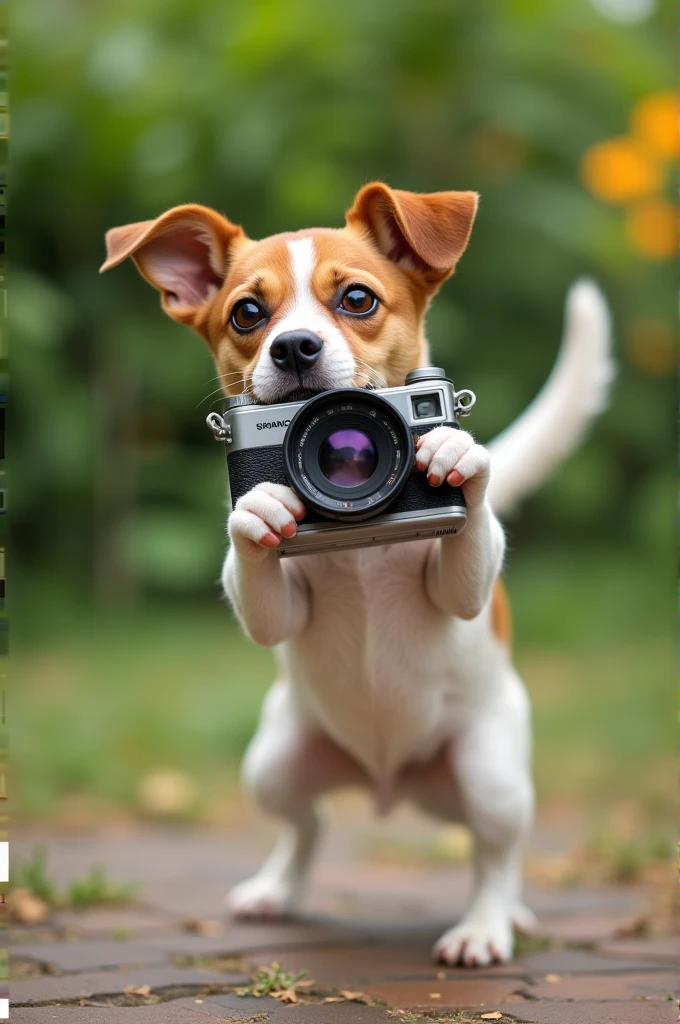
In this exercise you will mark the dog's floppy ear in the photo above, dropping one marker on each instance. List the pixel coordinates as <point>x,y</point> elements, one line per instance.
<point>425,233</point>
<point>183,253</point>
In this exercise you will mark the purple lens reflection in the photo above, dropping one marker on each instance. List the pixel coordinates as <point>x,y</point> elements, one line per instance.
<point>348,458</point>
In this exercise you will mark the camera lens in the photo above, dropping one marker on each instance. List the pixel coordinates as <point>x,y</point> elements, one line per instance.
<point>347,457</point>
<point>348,453</point>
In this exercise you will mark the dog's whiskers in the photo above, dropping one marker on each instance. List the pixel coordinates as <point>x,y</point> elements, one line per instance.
<point>369,372</point>
<point>224,376</point>
<point>244,382</point>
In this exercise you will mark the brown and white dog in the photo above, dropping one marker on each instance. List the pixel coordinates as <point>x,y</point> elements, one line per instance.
<point>395,666</point>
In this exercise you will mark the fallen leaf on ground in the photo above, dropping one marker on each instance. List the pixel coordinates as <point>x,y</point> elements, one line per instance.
<point>138,990</point>
<point>496,1015</point>
<point>636,928</point>
<point>200,926</point>
<point>435,995</point>
<point>288,995</point>
<point>353,997</point>
<point>26,908</point>
<point>552,979</point>
<point>167,793</point>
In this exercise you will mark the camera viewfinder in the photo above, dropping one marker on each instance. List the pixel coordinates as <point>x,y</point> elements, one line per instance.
<point>426,407</point>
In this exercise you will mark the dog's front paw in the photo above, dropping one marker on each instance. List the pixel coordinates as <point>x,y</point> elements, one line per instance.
<point>479,939</point>
<point>262,517</point>
<point>453,455</point>
<point>262,896</point>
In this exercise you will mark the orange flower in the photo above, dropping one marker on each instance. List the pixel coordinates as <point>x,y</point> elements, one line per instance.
<point>620,170</point>
<point>655,122</point>
<point>652,228</point>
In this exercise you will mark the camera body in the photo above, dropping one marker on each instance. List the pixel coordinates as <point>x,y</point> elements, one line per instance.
<point>349,455</point>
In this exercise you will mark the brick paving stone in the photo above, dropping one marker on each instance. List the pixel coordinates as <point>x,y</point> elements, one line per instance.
<point>583,927</point>
<point>105,920</point>
<point>470,992</point>
<point>573,961</point>
<point>163,1013</point>
<point>241,1010</point>
<point>397,933</point>
<point>190,896</point>
<point>542,1012</point>
<point>151,854</point>
<point>425,892</point>
<point>90,984</point>
<point>650,985</point>
<point>666,948</point>
<point>236,1008</point>
<point>384,919</point>
<point>92,954</point>
<point>549,900</point>
<point>243,937</point>
<point>360,965</point>
<point>227,944</point>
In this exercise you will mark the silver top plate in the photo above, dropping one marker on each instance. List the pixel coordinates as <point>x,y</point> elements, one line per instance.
<point>259,426</point>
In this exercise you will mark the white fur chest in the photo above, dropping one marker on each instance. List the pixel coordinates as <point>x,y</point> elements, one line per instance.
<point>381,670</point>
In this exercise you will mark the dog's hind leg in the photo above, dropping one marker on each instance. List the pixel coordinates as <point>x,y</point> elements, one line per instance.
<point>490,789</point>
<point>491,761</point>
<point>288,765</point>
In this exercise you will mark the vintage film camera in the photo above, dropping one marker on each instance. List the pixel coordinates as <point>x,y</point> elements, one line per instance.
<point>349,455</point>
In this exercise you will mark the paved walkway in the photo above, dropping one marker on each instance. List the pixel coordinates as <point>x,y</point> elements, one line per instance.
<point>365,941</point>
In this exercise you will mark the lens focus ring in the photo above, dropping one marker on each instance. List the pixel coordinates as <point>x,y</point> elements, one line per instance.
<point>348,454</point>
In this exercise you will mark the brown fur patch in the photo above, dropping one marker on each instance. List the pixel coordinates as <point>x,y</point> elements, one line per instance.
<point>390,343</point>
<point>501,617</point>
<point>400,245</point>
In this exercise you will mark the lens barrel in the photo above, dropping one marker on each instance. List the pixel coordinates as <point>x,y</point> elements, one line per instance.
<point>348,453</point>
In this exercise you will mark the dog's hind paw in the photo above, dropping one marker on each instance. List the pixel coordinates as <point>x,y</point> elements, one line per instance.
<point>262,896</point>
<point>477,941</point>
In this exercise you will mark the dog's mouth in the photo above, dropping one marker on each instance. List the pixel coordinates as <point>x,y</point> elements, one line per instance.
<point>302,394</point>
<point>299,394</point>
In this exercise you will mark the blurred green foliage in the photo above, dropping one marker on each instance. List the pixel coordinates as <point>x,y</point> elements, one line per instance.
<point>275,113</point>
<point>169,690</point>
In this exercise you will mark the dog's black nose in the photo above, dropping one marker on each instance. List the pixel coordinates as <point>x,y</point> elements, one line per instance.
<point>295,350</point>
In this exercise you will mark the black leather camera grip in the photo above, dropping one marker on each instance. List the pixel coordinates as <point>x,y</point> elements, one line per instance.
<point>249,467</point>
<point>448,495</point>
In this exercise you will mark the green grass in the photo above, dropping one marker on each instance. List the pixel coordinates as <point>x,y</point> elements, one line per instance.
<point>98,710</point>
<point>604,728</point>
<point>100,701</point>
<point>94,889</point>
<point>32,874</point>
<point>267,981</point>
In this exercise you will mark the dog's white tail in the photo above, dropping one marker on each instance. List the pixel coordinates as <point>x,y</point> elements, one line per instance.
<point>576,391</point>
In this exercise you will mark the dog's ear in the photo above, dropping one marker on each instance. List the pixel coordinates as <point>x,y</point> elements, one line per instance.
<point>184,253</point>
<point>425,233</point>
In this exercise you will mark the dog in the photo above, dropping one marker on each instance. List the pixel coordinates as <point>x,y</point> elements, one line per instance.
<point>395,664</point>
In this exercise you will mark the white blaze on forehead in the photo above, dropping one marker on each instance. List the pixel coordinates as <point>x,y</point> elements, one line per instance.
<point>302,261</point>
<point>303,312</point>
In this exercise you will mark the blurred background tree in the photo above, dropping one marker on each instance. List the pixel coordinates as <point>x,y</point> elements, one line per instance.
<point>276,113</point>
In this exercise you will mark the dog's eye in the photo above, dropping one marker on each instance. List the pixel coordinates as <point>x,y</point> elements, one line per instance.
<point>246,315</point>
<point>359,301</point>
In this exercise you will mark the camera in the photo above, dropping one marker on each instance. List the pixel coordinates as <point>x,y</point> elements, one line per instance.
<point>349,455</point>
